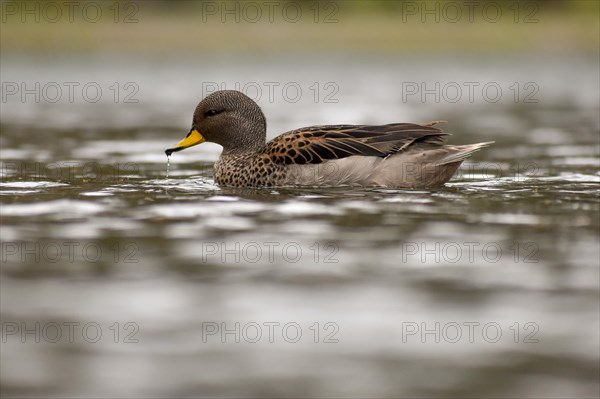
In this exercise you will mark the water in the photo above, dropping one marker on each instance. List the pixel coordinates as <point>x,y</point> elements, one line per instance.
<point>151,283</point>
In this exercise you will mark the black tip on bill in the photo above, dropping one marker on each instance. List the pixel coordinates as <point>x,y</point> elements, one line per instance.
<point>169,151</point>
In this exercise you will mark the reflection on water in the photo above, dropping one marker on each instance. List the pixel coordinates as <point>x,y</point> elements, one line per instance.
<point>137,284</point>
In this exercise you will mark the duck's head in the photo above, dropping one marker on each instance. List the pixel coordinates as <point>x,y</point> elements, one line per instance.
<point>229,118</point>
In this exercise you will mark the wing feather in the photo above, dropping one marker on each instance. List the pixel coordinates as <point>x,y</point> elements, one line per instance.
<point>318,144</point>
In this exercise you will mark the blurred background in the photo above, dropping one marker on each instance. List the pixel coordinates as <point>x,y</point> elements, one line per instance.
<point>121,276</point>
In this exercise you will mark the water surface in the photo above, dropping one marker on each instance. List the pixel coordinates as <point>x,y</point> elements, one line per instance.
<point>488,286</point>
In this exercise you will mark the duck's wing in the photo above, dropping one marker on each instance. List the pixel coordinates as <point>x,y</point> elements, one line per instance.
<point>317,144</point>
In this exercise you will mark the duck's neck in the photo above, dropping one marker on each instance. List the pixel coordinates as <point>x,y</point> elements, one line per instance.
<point>247,145</point>
<point>241,152</point>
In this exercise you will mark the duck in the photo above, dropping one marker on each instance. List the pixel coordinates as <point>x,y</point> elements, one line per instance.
<point>394,155</point>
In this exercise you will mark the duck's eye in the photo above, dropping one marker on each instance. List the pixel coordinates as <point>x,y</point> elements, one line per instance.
<point>212,112</point>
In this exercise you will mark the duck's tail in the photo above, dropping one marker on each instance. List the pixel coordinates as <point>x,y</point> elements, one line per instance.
<point>458,153</point>
<point>423,167</point>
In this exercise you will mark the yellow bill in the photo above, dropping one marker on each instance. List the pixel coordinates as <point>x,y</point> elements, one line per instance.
<point>193,138</point>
